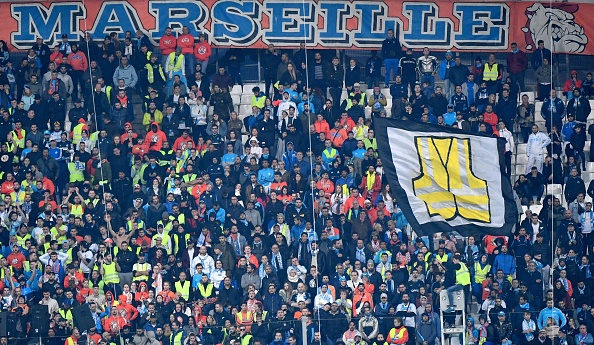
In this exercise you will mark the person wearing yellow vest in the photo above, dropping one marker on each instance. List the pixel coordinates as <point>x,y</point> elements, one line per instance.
<point>245,338</point>
<point>73,339</point>
<point>141,269</point>
<point>203,287</point>
<point>108,270</point>
<point>244,318</point>
<point>175,65</point>
<point>178,335</point>
<point>492,74</point>
<point>259,98</point>
<point>480,271</point>
<point>155,77</point>
<point>462,281</point>
<point>183,286</point>
<point>18,135</point>
<point>329,154</point>
<point>398,334</point>
<point>76,170</point>
<point>76,134</point>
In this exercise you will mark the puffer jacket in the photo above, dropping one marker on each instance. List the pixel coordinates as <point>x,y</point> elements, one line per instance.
<point>504,330</point>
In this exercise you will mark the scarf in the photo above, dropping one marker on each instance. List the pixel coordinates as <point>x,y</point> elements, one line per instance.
<point>565,283</point>
<point>361,255</point>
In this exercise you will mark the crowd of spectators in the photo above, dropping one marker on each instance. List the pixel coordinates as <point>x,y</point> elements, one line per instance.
<point>191,234</point>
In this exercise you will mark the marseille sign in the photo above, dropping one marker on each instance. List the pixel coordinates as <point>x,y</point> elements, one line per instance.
<point>356,24</point>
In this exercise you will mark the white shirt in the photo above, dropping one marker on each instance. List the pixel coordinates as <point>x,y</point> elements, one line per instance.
<point>408,321</point>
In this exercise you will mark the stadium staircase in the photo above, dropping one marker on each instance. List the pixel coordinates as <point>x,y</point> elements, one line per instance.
<point>520,159</point>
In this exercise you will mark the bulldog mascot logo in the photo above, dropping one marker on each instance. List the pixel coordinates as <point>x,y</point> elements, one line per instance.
<point>556,22</point>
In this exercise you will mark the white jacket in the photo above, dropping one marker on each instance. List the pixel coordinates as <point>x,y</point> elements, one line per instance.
<point>509,138</point>
<point>537,143</point>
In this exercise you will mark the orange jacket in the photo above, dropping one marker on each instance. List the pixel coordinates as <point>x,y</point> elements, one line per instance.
<point>56,58</point>
<point>181,143</point>
<point>337,137</point>
<point>322,127</point>
<point>186,42</point>
<point>327,186</point>
<point>78,61</point>
<point>278,185</point>
<point>155,139</point>
<point>140,150</point>
<point>348,122</point>
<point>7,187</point>
<point>348,204</point>
<point>492,119</point>
<point>360,299</point>
<point>112,324</point>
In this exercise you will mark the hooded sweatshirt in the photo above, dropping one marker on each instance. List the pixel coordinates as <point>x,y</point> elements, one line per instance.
<point>472,334</point>
<point>426,331</point>
<point>155,137</point>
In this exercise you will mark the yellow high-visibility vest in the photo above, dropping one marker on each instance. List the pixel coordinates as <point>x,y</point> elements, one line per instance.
<point>490,73</point>
<point>76,175</point>
<point>463,275</point>
<point>176,65</point>
<point>141,267</point>
<point>480,274</point>
<point>20,142</point>
<point>77,210</point>
<point>205,292</point>
<point>111,274</point>
<point>183,289</point>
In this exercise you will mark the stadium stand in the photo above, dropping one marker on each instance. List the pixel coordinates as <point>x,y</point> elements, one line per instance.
<point>183,206</point>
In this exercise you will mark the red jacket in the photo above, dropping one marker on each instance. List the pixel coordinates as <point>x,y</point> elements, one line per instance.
<point>517,62</point>
<point>186,42</point>
<point>167,45</point>
<point>202,51</point>
<point>375,188</point>
<point>571,84</point>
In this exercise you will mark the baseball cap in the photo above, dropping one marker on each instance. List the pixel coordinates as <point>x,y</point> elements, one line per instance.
<point>501,313</point>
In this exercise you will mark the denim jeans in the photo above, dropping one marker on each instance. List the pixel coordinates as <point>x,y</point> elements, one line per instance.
<point>451,291</point>
<point>391,64</point>
<point>190,60</point>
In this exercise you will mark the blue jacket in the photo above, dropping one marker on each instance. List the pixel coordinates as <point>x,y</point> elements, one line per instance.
<point>265,176</point>
<point>555,313</point>
<point>504,262</point>
<point>555,108</point>
<point>568,130</point>
<point>443,67</point>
